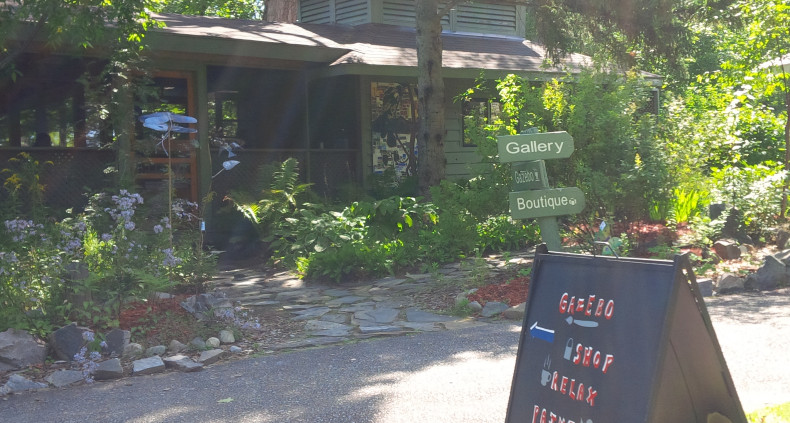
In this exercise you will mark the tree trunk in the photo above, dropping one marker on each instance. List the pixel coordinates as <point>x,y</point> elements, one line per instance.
<point>280,11</point>
<point>431,162</point>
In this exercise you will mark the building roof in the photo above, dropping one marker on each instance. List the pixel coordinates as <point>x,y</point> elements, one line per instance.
<point>375,49</point>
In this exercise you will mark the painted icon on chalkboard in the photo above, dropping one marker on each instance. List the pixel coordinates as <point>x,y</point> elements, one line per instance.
<point>568,349</point>
<point>545,375</point>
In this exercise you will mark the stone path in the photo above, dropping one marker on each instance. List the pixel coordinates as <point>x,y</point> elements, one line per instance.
<point>333,314</point>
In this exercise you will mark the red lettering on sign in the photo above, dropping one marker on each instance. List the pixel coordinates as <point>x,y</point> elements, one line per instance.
<point>590,302</point>
<point>609,310</point>
<point>599,309</point>
<point>577,358</point>
<point>552,418</point>
<point>564,303</point>
<point>587,355</point>
<point>597,359</point>
<point>580,305</point>
<point>591,394</point>
<point>572,393</point>
<point>535,413</point>
<point>564,385</point>
<point>580,392</point>
<point>554,380</point>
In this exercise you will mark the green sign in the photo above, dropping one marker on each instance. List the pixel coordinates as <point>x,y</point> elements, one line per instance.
<point>525,147</point>
<point>529,175</point>
<point>546,202</point>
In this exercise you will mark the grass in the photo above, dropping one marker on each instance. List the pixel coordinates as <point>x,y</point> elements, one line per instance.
<point>774,414</point>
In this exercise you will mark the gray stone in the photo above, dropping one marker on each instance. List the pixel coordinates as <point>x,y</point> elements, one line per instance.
<point>159,350</point>
<point>117,340</point>
<point>235,349</point>
<point>263,303</point>
<point>729,283</point>
<point>388,282</point>
<point>212,342</point>
<point>782,236</point>
<point>337,292</point>
<point>107,370</point>
<point>182,363</point>
<point>67,341</point>
<point>17,383</point>
<point>133,350</point>
<point>197,343</point>
<point>492,308</point>
<point>20,349</point>
<point>321,328</point>
<point>199,305</point>
<point>176,346</point>
<point>226,337</point>
<point>422,327</point>
<point>309,342</point>
<point>162,296</point>
<point>63,378</point>
<point>419,316</point>
<point>772,274</point>
<point>727,249</point>
<point>148,366</point>
<point>475,306</point>
<point>344,300</point>
<point>211,356</point>
<point>705,286</point>
<point>310,313</point>
<point>378,315</point>
<point>515,313</point>
<point>334,317</point>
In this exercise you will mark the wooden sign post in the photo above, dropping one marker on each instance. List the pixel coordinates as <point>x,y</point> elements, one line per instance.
<point>532,196</point>
<point>618,340</point>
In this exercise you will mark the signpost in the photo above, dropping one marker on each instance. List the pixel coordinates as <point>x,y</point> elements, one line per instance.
<point>618,340</point>
<point>532,196</point>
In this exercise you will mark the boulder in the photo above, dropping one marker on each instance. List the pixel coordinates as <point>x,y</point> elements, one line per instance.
<point>156,350</point>
<point>133,350</point>
<point>197,344</point>
<point>226,337</point>
<point>107,370</point>
<point>63,378</point>
<point>20,349</point>
<point>729,283</point>
<point>17,383</point>
<point>182,363</point>
<point>211,356</point>
<point>782,236</point>
<point>492,308</point>
<point>516,312</point>
<point>176,347</point>
<point>727,249</point>
<point>199,305</point>
<point>67,341</point>
<point>147,366</point>
<point>212,342</point>
<point>117,340</point>
<point>705,286</point>
<point>475,306</point>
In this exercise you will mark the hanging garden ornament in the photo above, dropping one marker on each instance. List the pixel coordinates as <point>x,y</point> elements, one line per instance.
<point>226,165</point>
<point>166,122</point>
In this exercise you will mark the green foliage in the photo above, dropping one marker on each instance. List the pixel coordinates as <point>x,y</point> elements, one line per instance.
<point>773,414</point>
<point>687,204</point>
<point>755,191</point>
<point>233,9</point>
<point>22,192</point>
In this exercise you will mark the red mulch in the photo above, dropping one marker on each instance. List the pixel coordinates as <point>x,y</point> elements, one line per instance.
<point>140,313</point>
<point>513,292</point>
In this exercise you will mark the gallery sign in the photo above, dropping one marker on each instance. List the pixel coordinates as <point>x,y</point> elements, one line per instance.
<point>540,146</point>
<point>618,340</point>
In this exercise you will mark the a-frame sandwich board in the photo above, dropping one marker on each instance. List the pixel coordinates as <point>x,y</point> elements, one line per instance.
<point>621,340</point>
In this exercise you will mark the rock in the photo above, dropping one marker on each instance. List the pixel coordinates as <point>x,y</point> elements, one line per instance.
<point>727,249</point>
<point>378,315</point>
<point>516,312</point>
<point>198,344</point>
<point>133,350</point>
<point>17,383</point>
<point>705,286</point>
<point>212,342</point>
<point>781,239</point>
<point>156,350</point>
<point>176,347</point>
<point>321,328</point>
<point>729,283</point>
<point>226,337</point>
<point>772,274</point>
<point>235,349</point>
<point>475,306</point>
<point>110,369</point>
<point>67,341</point>
<point>310,313</point>
<point>199,305</point>
<point>492,308</point>
<point>117,340</point>
<point>63,378</point>
<point>211,356</point>
<point>147,366</point>
<point>715,210</point>
<point>182,363</point>
<point>20,349</point>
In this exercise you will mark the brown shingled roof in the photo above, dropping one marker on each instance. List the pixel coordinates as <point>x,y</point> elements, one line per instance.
<point>372,48</point>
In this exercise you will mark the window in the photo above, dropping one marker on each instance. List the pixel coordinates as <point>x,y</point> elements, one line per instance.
<point>477,115</point>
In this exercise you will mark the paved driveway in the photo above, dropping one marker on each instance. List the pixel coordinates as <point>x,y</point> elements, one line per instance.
<point>454,376</point>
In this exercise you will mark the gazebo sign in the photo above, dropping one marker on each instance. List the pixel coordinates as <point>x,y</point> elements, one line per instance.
<point>529,175</point>
<point>626,340</point>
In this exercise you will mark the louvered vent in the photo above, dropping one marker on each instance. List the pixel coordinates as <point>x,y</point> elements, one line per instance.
<point>352,12</point>
<point>486,19</point>
<point>315,11</point>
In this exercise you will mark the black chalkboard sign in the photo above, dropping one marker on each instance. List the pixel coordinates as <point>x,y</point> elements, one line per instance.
<point>617,340</point>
